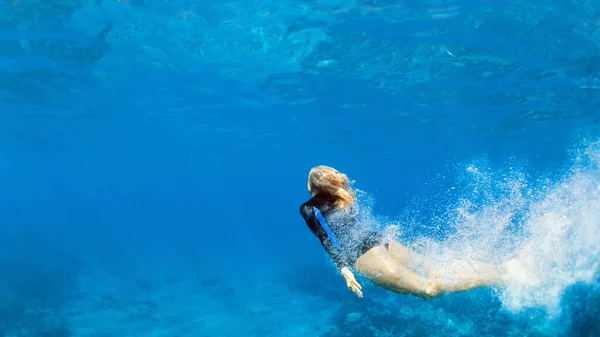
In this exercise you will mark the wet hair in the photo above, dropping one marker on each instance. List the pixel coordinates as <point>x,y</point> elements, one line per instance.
<point>327,180</point>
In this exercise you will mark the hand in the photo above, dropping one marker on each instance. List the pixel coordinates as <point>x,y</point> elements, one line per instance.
<point>351,281</point>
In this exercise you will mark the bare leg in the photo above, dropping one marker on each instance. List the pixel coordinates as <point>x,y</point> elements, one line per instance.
<point>380,266</point>
<point>458,270</point>
<point>413,260</point>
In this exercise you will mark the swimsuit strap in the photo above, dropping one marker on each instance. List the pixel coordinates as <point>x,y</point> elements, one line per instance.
<point>326,228</point>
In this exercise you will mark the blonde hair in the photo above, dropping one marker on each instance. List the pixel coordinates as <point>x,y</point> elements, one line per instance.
<point>325,179</point>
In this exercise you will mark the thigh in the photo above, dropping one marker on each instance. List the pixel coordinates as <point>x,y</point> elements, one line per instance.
<point>404,255</point>
<point>412,259</point>
<point>383,269</point>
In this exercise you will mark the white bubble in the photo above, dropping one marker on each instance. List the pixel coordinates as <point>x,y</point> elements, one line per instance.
<point>326,63</point>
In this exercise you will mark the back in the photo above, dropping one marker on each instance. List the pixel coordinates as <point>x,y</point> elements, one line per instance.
<point>342,234</point>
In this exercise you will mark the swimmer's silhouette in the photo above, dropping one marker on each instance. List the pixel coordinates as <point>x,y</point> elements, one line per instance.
<point>331,215</point>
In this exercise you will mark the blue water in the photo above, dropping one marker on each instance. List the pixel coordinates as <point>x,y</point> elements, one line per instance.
<point>154,154</point>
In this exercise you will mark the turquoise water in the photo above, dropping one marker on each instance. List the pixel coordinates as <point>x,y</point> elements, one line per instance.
<point>154,155</point>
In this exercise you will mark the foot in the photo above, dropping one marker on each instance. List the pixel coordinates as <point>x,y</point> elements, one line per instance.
<point>516,272</point>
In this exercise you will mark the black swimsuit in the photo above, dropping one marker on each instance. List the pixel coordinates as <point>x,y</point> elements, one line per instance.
<point>341,233</point>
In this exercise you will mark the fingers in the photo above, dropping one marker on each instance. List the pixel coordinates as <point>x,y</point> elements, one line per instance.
<point>353,284</point>
<point>356,288</point>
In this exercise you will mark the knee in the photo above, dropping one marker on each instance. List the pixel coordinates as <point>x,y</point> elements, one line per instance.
<point>432,288</point>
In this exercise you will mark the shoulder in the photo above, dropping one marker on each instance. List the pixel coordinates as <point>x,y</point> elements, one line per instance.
<point>306,209</point>
<point>319,201</point>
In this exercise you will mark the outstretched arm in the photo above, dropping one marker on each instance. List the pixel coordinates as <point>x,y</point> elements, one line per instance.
<point>338,258</point>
